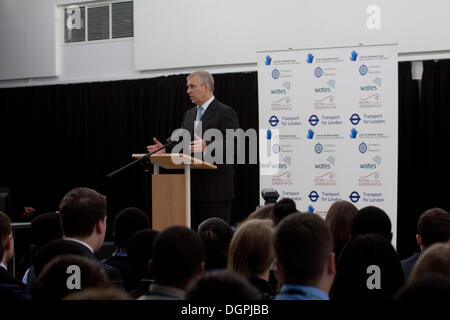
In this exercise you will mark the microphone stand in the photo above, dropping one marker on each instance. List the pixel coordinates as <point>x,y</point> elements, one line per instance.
<point>145,160</point>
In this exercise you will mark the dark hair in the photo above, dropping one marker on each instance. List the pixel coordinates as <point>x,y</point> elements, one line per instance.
<point>303,244</point>
<point>371,220</point>
<point>46,227</point>
<point>177,255</point>
<point>81,209</point>
<point>5,230</point>
<point>434,226</point>
<point>140,251</point>
<point>221,285</point>
<point>52,283</point>
<point>109,293</point>
<point>216,234</point>
<point>339,218</point>
<point>354,267</point>
<point>53,249</point>
<point>127,222</point>
<point>283,208</point>
<point>430,287</point>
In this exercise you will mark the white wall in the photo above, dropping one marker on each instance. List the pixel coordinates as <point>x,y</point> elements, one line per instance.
<point>178,36</point>
<point>174,33</point>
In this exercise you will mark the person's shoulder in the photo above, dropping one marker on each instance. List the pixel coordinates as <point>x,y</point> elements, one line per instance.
<point>222,107</point>
<point>411,259</point>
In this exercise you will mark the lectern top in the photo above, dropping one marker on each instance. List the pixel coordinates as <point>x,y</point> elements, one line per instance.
<point>177,161</point>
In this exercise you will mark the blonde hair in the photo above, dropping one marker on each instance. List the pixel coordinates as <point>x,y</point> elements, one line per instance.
<point>251,249</point>
<point>435,259</point>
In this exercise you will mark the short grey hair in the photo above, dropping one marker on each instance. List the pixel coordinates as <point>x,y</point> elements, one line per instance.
<point>204,77</point>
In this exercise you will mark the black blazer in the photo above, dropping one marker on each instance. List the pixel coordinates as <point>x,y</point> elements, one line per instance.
<point>219,184</point>
<point>113,273</point>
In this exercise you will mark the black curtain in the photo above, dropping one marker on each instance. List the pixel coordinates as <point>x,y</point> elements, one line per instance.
<point>54,138</point>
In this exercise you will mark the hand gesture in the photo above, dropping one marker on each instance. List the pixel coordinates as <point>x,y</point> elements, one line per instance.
<point>156,146</point>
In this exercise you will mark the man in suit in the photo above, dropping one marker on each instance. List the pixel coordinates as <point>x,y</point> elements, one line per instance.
<point>10,288</point>
<point>212,191</point>
<point>433,227</point>
<point>83,221</point>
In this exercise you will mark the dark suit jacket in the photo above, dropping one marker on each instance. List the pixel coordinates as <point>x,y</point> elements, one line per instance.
<point>408,264</point>
<point>113,273</point>
<point>10,288</point>
<point>219,184</point>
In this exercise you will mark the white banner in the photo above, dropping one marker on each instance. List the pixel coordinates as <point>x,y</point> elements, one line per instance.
<point>329,117</point>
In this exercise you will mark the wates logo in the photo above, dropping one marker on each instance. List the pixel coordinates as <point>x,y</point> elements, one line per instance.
<point>322,166</point>
<point>278,91</point>
<point>369,88</point>
<point>368,166</point>
<point>322,89</point>
<point>309,58</point>
<point>268,60</point>
<point>353,56</point>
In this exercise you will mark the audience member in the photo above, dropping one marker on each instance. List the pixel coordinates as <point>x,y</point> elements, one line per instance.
<point>44,228</point>
<point>59,278</point>
<point>305,257</point>
<point>178,257</point>
<point>371,220</point>
<point>433,227</point>
<point>264,212</point>
<point>283,208</point>
<point>251,254</point>
<point>435,259</point>
<point>50,251</point>
<point>140,253</point>
<point>216,234</point>
<point>339,218</point>
<point>83,213</point>
<point>221,285</point>
<point>108,293</point>
<point>429,287</point>
<point>367,269</point>
<point>10,288</point>
<point>125,224</point>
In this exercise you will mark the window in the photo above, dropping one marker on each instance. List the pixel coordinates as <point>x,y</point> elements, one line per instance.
<point>98,21</point>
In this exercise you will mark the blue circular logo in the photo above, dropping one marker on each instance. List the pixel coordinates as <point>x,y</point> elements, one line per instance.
<point>355,119</point>
<point>363,147</point>
<point>318,72</point>
<point>318,148</point>
<point>363,70</point>
<point>313,196</point>
<point>354,197</point>
<point>313,120</point>
<point>275,74</point>
<point>273,121</point>
<point>276,148</point>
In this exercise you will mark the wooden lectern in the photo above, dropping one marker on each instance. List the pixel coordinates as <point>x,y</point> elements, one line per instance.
<point>171,193</point>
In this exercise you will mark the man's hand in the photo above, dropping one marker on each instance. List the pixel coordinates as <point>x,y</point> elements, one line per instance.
<point>198,145</point>
<point>156,146</point>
